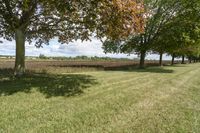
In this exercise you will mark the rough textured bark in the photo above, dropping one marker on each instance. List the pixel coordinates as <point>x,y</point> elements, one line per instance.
<point>20,53</point>
<point>161,61</point>
<point>183,60</point>
<point>173,57</point>
<point>142,59</point>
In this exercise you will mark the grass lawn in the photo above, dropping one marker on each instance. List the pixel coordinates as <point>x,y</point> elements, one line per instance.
<point>154,100</point>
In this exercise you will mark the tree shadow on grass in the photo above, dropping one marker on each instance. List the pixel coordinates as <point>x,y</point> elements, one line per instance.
<point>146,69</point>
<point>154,68</point>
<point>49,85</point>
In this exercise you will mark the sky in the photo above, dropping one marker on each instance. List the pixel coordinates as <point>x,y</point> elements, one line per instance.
<point>78,48</point>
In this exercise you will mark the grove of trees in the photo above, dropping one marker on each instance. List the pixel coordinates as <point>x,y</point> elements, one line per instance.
<point>39,21</point>
<point>125,26</point>
<point>172,27</point>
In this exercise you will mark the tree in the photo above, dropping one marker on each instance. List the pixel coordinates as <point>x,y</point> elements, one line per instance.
<point>67,20</point>
<point>180,36</point>
<point>161,45</point>
<point>178,39</point>
<point>171,27</point>
<point>157,14</point>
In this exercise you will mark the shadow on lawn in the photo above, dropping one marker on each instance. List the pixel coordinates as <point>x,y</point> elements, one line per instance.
<point>146,69</point>
<point>151,68</point>
<point>49,85</point>
<point>154,70</point>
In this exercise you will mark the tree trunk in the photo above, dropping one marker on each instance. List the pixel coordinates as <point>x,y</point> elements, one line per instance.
<point>183,60</point>
<point>161,61</point>
<point>142,59</point>
<point>20,53</point>
<point>190,60</point>
<point>173,57</point>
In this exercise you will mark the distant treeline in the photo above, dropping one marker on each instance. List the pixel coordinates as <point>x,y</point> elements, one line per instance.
<point>93,58</point>
<point>7,56</point>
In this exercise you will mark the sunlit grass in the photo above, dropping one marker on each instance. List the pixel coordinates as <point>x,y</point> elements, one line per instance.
<point>152,100</point>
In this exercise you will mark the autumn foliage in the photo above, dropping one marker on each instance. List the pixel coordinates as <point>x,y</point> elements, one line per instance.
<point>121,18</point>
<point>67,20</point>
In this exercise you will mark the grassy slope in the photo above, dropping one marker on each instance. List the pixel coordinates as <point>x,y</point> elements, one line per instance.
<point>152,100</point>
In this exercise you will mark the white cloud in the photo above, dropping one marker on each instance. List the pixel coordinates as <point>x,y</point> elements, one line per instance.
<point>88,48</point>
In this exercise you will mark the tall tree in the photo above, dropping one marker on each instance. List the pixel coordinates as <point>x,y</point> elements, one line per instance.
<point>180,36</point>
<point>67,20</point>
<point>157,14</point>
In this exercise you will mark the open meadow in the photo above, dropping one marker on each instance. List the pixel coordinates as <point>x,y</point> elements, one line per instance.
<point>55,100</point>
<point>71,66</point>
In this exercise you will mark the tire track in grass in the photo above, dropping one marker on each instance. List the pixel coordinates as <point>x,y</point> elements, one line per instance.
<point>149,104</point>
<point>110,107</point>
<point>116,85</point>
<point>82,113</point>
<point>100,105</point>
<point>119,82</point>
<point>104,106</point>
<point>96,112</point>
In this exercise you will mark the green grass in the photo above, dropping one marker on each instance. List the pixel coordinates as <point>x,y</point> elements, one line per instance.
<point>154,100</point>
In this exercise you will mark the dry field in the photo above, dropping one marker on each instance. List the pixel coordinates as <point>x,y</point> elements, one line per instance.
<point>56,66</point>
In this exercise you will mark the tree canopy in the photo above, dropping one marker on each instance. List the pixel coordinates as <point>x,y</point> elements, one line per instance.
<point>67,20</point>
<point>171,27</point>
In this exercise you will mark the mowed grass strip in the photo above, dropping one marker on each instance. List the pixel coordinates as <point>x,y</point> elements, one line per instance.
<point>152,100</point>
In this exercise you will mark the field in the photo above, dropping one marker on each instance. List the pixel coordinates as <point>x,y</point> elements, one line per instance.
<point>71,66</point>
<point>60,98</point>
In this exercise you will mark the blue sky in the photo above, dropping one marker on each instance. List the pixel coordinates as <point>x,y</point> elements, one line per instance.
<point>88,48</point>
